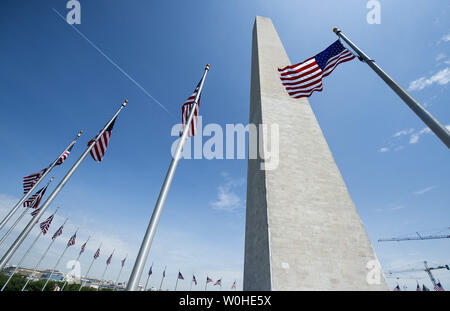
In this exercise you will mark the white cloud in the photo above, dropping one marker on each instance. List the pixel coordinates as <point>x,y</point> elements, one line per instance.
<point>227,199</point>
<point>442,78</point>
<point>403,132</point>
<point>446,38</point>
<point>384,149</point>
<point>414,139</point>
<point>440,56</point>
<point>424,190</point>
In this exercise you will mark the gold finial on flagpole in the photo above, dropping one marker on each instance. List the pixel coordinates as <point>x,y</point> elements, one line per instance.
<point>336,30</point>
<point>207,66</point>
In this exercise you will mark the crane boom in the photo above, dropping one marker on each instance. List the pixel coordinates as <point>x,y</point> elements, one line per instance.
<point>427,269</point>
<point>419,237</point>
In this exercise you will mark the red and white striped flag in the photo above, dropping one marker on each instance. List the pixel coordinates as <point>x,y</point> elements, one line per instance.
<point>64,156</point>
<point>194,279</point>
<point>83,247</point>
<point>438,287</point>
<point>72,240</point>
<point>186,111</point>
<point>36,198</point>
<point>302,79</point>
<point>30,180</point>
<point>150,271</point>
<point>123,261</point>
<point>99,150</point>
<point>46,224</point>
<point>208,280</point>
<point>58,232</point>
<point>234,285</point>
<point>397,288</point>
<point>108,261</point>
<point>218,282</point>
<point>97,253</point>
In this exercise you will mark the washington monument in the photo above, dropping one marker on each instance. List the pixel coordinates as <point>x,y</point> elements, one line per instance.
<point>302,229</point>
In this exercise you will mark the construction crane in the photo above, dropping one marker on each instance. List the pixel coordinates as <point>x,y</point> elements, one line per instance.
<point>427,270</point>
<point>418,237</point>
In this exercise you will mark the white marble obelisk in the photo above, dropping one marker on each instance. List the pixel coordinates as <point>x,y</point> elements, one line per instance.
<point>302,229</point>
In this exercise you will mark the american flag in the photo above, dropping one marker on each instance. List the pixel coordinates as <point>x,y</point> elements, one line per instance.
<point>234,285</point>
<point>194,279</point>
<point>186,111</point>
<point>150,271</point>
<point>83,247</point>
<point>64,156</point>
<point>36,198</point>
<point>46,224</point>
<point>30,180</point>
<point>123,261</point>
<point>34,212</point>
<point>397,288</point>
<point>164,273</point>
<point>218,282</point>
<point>418,289</point>
<point>72,240</point>
<point>424,288</point>
<point>302,79</point>
<point>438,287</point>
<point>98,151</point>
<point>58,232</point>
<point>108,261</point>
<point>180,276</point>
<point>97,253</point>
<point>208,280</point>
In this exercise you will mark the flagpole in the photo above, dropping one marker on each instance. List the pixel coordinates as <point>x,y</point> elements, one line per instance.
<point>21,260</point>
<point>47,171</point>
<point>192,281</point>
<point>55,192</point>
<point>89,269</point>
<point>206,284</point>
<point>19,218</point>
<point>78,258</point>
<point>433,124</point>
<point>117,280</point>
<point>151,229</point>
<point>56,265</point>
<point>164,274</point>
<point>40,260</point>
<point>176,283</point>
<point>106,268</point>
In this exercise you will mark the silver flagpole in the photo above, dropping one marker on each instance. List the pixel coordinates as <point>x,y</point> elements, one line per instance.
<point>101,279</point>
<point>164,274</point>
<point>47,171</point>
<point>55,192</point>
<point>89,269</point>
<point>21,260</point>
<point>118,276</point>
<point>56,265</point>
<point>151,229</point>
<point>148,277</point>
<point>433,124</point>
<point>78,258</point>
<point>40,260</point>
<point>18,219</point>
<point>25,255</point>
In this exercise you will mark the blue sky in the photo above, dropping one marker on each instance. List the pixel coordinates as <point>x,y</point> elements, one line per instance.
<point>54,83</point>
